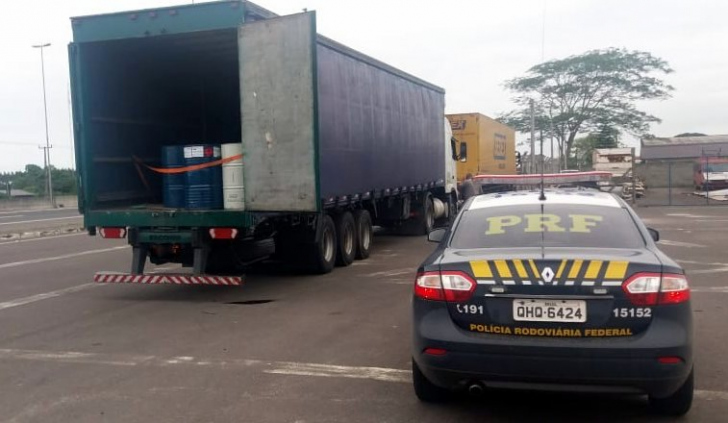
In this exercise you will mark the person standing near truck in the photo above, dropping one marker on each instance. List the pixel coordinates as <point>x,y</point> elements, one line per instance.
<point>467,188</point>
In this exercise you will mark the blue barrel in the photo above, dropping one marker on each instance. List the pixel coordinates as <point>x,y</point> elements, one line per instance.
<point>173,185</point>
<point>204,186</point>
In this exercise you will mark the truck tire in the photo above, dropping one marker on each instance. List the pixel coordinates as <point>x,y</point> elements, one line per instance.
<point>345,239</point>
<point>364,233</point>
<point>322,255</point>
<point>424,219</point>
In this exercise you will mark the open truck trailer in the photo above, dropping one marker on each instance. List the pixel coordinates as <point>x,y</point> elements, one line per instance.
<point>333,141</point>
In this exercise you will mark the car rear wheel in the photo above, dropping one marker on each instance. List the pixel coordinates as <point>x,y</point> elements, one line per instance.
<point>678,403</point>
<point>424,389</point>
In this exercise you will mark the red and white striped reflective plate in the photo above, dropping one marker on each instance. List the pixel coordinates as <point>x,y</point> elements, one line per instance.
<point>174,279</point>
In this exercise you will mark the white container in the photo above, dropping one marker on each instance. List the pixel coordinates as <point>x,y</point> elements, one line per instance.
<point>232,178</point>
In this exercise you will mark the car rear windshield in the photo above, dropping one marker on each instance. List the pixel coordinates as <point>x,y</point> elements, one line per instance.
<point>548,225</point>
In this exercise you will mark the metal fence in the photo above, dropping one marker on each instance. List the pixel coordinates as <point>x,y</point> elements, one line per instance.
<point>684,182</point>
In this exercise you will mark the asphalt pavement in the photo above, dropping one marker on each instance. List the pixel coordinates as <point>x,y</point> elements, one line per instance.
<point>283,348</point>
<point>16,223</point>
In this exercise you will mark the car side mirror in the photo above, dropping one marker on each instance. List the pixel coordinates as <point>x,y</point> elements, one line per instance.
<point>436,235</point>
<point>654,234</point>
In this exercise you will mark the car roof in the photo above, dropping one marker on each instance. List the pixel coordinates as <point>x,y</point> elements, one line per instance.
<point>521,198</point>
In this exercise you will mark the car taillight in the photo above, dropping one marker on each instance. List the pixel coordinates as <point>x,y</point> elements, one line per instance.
<point>649,289</point>
<point>444,286</point>
<point>674,289</point>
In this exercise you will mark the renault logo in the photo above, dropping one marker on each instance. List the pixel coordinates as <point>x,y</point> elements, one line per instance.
<point>547,274</point>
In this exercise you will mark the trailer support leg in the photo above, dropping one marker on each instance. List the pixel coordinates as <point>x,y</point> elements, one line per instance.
<point>139,259</point>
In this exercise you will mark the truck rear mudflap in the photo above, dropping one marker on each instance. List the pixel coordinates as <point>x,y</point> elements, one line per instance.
<point>167,278</point>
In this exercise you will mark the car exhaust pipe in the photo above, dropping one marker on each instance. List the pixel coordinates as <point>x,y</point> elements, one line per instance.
<point>475,389</point>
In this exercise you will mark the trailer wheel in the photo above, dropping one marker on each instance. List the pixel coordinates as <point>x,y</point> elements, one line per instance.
<point>346,239</point>
<point>424,219</point>
<point>364,233</point>
<point>322,256</point>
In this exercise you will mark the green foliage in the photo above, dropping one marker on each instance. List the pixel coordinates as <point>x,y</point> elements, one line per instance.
<point>582,94</point>
<point>605,137</point>
<point>33,180</point>
<point>690,134</point>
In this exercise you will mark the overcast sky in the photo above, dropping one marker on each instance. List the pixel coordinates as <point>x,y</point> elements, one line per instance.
<point>469,47</point>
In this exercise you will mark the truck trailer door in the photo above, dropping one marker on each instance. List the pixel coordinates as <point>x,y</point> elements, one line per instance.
<point>279,121</point>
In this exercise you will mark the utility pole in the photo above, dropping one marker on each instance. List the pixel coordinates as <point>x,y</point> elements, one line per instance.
<point>533,138</point>
<point>48,146</point>
<point>543,156</point>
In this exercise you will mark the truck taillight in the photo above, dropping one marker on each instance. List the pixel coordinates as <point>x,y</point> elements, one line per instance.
<point>444,286</point>
<point>112,232</point>
<point>649,289</point>
<point>223,233</point>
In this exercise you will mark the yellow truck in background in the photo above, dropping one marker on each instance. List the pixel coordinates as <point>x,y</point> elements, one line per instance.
<point>486,146</point>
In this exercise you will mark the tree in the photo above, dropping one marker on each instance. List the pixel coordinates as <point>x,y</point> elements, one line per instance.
<point>606,137</point>
<point>33,180</point>
<point>690,134</point>
<point>581,94</point>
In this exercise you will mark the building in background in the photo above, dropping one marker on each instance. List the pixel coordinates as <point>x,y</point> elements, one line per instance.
<point>672,161</point>
<point>617,161</point>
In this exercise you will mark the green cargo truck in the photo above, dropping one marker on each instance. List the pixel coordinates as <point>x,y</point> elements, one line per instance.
<point>333,141</point>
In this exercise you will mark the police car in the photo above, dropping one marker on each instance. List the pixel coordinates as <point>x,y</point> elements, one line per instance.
<point>553,290</point>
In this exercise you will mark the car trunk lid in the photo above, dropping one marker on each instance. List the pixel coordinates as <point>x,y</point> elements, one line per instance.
<point>552,292</point>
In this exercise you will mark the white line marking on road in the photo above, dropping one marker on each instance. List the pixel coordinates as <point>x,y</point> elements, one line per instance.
<point>679,244</point>
<point>11,216</point>
<point>48,210</point>
<point>707,271</point>
<point>711,289</point>
<point>702,263</point>
<point>399,281</point>
<point>325,370</point>
<point>382,374</point>
<point>63,257</point>
<point>40,297</point>
<point>694,216</point>
<point>163,269</point>
<point>43,238</point>
<point>393,272</point>
<point>711,395</point>
<point>40,220</point>
<point>272,367</point>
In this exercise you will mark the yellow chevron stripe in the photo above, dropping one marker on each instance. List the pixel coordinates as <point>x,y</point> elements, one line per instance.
<point>616,270</point>
<point>574,271</point>
<point>534,269</point>
<point>481,269</point>
<point>593,270</point>
<point>520,269</point>
<point>562,266</point>
<point>503,270</point>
